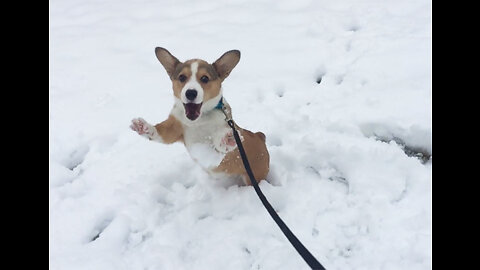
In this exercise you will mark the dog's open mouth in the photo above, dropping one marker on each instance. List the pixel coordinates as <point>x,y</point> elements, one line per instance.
<point>192,110</point>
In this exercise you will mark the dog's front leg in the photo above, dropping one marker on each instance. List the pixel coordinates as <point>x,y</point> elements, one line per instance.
<point>144,129</point>
<point>168,131</point>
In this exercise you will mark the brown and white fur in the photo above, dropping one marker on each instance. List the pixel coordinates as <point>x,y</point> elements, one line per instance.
<point>194,120</point>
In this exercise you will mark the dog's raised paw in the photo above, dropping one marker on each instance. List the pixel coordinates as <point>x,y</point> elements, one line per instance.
<point>228,143</point>
<point>142,127</point>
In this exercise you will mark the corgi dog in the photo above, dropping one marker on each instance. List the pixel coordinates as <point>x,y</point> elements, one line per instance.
<point>198,121</point>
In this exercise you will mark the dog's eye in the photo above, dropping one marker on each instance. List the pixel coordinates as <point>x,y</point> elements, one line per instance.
<point>182,78</point>
<point>204,79</point>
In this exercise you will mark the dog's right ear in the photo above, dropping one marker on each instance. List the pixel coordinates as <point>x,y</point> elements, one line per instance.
<point>168,61</point>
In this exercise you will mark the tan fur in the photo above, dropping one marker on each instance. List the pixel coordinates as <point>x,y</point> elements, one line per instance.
<point>257,155</point>
<point>170,130</point>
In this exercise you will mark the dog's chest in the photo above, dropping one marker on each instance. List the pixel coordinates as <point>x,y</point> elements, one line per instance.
<point>204,140</point>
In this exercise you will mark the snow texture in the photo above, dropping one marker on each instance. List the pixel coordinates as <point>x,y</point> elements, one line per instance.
<point>342,89</point>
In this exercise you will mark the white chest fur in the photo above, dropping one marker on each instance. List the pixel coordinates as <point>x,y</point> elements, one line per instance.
<point>203,139</point>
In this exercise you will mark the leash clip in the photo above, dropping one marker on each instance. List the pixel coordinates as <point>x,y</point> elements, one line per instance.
<point>224,110</point>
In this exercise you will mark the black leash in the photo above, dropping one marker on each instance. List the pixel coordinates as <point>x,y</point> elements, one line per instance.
<point>301,249</point>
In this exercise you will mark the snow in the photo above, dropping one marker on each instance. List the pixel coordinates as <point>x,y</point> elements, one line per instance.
<point>340,178</point>
<point>205,155</point>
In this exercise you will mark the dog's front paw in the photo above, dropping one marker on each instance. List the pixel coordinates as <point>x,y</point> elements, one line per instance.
<point>142,127</point>
<point>227,143</point>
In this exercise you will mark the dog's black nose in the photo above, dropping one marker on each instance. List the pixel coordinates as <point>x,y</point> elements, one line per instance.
<point>191,94</point>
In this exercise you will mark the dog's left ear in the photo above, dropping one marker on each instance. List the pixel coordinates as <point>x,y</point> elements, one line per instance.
<point>226,63</point>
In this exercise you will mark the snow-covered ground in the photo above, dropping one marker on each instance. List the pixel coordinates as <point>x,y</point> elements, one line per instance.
<point>340,176</point>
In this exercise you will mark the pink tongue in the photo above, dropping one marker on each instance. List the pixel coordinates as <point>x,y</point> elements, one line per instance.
<point>192,110</point>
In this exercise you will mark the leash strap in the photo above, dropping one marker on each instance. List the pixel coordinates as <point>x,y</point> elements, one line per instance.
<point>301,249</point>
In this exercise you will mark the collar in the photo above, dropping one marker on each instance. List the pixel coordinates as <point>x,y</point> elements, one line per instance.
<point>220,104</point>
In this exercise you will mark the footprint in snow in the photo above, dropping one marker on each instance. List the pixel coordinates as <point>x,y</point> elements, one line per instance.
<point>100,227</point>
<point>319,74</point>
<point>76,157</point>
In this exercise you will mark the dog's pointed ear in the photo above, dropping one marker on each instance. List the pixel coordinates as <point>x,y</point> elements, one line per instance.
<point>168,61</point>
<point>226,63</point>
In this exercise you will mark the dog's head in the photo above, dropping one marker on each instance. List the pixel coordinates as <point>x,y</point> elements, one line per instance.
<point>197,85</point>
